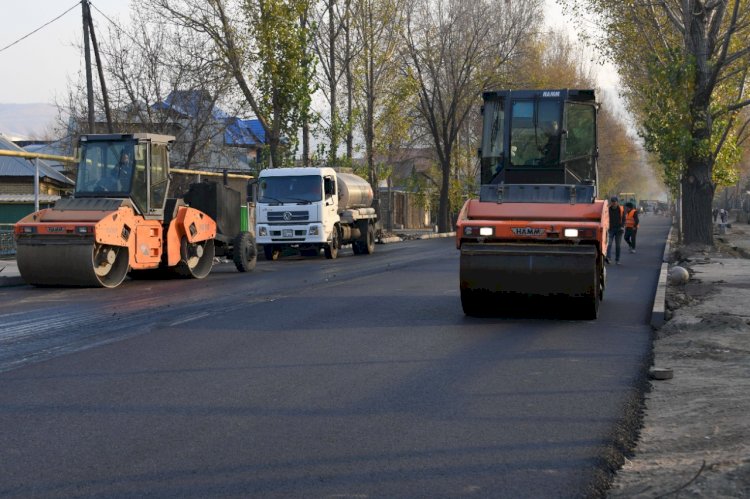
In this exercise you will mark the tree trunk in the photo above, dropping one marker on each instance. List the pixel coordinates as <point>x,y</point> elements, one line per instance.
<point>444,223</point>
<point>697,195</point>
<point>333,154</point>
<point>349,87</point>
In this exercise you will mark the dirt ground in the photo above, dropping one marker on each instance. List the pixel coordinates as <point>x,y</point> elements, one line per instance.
<point>695,439</point>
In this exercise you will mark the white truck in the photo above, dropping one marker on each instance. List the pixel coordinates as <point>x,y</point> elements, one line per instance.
<point>313,208</point>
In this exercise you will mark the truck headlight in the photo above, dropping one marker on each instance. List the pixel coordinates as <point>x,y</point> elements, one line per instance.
<point>314,230</point>
<point>486,231</point>
<point>262,231</point>
<point>570,233</point>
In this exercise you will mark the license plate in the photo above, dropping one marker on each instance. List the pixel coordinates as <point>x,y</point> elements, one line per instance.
<point>287,233</point>
<point>527,231</point>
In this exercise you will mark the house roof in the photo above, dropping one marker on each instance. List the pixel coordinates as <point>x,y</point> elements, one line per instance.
<point>244,133</point>
<point>53,148</point>
<point>19,167</point>
<point>190,103</point>
<point>27,198</point>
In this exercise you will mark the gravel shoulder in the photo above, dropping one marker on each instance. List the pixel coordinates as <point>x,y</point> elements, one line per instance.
<point>695,439</point>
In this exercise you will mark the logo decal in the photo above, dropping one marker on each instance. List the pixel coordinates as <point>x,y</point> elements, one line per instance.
<point>287,216</point>
<point>55,229</point>
<point>527,231</point>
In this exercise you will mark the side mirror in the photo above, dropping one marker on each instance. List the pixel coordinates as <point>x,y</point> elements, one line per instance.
<point>330,186</point>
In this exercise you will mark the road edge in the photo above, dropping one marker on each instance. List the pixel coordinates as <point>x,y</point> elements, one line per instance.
<point>658,310</point>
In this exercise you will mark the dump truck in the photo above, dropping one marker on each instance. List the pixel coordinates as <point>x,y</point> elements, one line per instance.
<point>120,220</point>
<point>537,232</point>
<point>314,208</point>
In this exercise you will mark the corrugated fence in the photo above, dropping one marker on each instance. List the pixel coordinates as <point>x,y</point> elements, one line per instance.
<point>7,243</point>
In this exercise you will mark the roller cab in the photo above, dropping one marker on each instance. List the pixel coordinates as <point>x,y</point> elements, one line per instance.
<point>117,221</point>
<point>537,233</point>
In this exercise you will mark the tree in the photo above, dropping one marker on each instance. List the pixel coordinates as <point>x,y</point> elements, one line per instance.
<point>376,25</point>
<point>282,38</point>
<point>686,66</point>
<point>161,80</point>
<point>455,49</point>
<point>267,56</point>
<point>332,18</point>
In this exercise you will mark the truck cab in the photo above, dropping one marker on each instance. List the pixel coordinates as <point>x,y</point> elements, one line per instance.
<point>312,209</point>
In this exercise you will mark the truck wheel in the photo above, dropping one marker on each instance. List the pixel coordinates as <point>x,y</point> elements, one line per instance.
<point>368,245</point>
<point>270,252</point>
<point>332,248</point>
<point>244,252</point>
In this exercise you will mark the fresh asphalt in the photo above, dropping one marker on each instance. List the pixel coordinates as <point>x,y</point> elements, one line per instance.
<point>310,378</point>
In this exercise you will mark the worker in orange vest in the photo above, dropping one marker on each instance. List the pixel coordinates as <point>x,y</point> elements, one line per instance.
<point>631,225</point>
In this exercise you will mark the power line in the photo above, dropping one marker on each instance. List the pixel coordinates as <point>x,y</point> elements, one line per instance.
<point>40,27</point>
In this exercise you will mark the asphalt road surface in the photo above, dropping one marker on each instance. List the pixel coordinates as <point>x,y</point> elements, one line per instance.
<point>355,377</point>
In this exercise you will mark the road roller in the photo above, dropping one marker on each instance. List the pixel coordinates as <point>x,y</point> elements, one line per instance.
<point>119,220</point>
<point>535,239</point>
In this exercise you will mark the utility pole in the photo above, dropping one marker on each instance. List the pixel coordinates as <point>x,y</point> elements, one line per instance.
<point>87,59</point>
<point>99,67</point>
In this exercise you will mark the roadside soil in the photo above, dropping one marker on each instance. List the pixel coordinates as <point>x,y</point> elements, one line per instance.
<point>695,439</point>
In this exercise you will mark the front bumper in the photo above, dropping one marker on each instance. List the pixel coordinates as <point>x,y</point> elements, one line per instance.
<point>290,234</point>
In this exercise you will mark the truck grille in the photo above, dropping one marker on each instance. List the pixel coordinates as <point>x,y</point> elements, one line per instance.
<point>291,216</point>
<point>288,233</point>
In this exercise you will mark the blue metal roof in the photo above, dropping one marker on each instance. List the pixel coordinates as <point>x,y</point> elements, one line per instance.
<point>244,133</point>
<point>19,167</point>
<point>190,103</point>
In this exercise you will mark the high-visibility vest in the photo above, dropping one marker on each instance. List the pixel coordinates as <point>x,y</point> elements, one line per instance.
<point>630,219</point>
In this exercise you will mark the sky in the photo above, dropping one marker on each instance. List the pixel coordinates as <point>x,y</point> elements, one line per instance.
<point>38,68</point>
<point>44,63</point>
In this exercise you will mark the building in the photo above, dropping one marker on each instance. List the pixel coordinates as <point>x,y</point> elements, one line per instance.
<point>405,195</point>
<point>17,184</point>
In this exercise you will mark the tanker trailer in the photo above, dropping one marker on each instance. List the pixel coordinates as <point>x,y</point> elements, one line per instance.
<point>537,234</point>
<point>312,209</point>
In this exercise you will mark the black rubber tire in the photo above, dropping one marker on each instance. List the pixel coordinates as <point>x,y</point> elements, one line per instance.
<point>332,249</point>
<point>357,247</point>
<point>244,252</point>
<point>368,245</point>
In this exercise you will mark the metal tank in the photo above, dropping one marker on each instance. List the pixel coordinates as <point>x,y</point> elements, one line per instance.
<point>354,191</point>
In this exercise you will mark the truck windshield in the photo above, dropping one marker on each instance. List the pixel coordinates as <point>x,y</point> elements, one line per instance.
<point>535,133</point>
<point>105,167</point>
<point>291,189</point>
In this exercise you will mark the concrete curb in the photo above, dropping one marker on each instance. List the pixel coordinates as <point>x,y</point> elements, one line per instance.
<point>11,281</point>
<point>397,239</point>
<point>437,235</point>
<point>9,275</point>
<point>658,311</point>
<point>389,240</point>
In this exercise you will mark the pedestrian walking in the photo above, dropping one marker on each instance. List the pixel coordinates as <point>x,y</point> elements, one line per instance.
<point>723,215</point>
<point>715,213</point>
<point>616,228</point>
<point>631,225</point>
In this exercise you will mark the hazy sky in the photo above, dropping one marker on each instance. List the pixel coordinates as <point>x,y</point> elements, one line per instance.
<point>38,68</point>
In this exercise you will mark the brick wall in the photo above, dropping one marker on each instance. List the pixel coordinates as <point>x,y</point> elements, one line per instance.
<point>27,188</point>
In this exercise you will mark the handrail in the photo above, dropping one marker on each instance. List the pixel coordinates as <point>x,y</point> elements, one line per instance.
<point>70,159</point>
<point>35,155</point>
<point>209,174</point>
